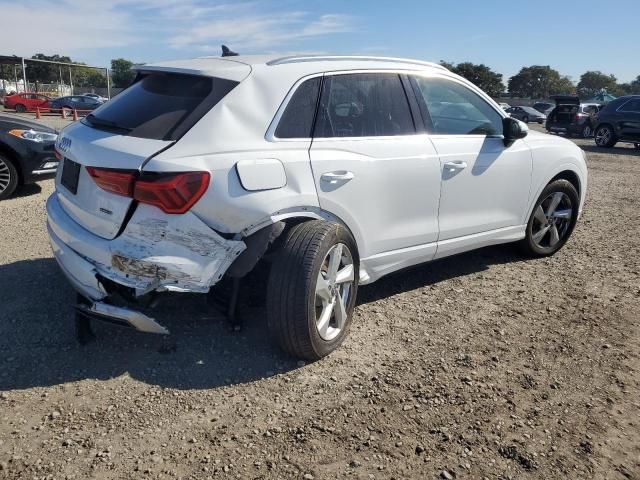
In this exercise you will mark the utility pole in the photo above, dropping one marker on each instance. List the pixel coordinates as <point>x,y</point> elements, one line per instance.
<point>24,75</point>
<point>108,84</point>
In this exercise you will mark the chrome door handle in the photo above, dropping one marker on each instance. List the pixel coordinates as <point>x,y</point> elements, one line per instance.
<point>457,165</point>
<point>337,176</point>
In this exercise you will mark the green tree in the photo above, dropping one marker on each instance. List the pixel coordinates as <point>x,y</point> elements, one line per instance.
<point>593,81</point>
<point>481,76</point>
<point>631,88</point>
<point>89,77</point>
<point>121,72</point>
<point>47,72</point>
<point>539,81</point>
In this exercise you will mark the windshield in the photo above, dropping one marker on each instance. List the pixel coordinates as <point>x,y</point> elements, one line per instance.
<point>160,106</point>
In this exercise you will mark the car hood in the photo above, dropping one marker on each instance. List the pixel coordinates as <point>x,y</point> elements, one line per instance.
<point>10,122</point>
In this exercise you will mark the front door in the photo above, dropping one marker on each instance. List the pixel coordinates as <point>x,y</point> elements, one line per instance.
<point>485,184</point>
<point>370,166</point>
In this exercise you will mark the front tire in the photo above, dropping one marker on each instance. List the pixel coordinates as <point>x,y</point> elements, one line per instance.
<point>312,289</point>
<point>525,119</point>
<point>605,136</point>
<point>552,220</point>
<point>8,177</point>
<point>20,108</point>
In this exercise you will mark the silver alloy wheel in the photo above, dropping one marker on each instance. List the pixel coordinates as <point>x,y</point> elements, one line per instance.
<point>552,219</point>
<point>5,176</point>
<point>603,135</point>
<point>333,291</point>
<point>586,131</point>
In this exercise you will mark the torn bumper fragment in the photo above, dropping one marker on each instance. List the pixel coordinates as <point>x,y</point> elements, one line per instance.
<point>155,252</point>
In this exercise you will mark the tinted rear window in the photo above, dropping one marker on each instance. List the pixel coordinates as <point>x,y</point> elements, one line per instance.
<point>161,106</point>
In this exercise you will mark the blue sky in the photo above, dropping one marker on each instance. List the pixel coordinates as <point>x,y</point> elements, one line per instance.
<point>505,35</point>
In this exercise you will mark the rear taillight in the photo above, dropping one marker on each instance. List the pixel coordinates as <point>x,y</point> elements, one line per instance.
<point>172,193</point>
<point>119,182</point>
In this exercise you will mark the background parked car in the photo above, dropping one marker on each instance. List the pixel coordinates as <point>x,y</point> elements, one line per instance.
<point>100,98</point>
<point>526,114</point>
<point>26,153</point>
<point>22,102</point>
<point>504,106</point>
<point>571,117</point>
<point>543,107</point>
<point>74,102</point>
<point>619,121</point>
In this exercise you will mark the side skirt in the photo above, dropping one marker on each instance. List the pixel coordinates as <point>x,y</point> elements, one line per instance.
<point>376,266</point>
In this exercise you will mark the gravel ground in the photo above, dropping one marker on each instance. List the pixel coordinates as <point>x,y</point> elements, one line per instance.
<point>482,365</point>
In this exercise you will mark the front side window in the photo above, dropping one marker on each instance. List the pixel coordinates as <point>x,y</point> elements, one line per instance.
<point>297,119</point>
<point>363,105</point>
<point>456,110</point>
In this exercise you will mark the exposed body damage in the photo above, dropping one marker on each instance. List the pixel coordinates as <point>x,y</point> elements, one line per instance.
<point>178,252</point>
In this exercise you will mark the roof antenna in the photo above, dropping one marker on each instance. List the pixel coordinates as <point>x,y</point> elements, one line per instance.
<point>228,53</point>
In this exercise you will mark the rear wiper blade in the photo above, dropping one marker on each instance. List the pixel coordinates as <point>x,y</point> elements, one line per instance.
<point>99,122</point>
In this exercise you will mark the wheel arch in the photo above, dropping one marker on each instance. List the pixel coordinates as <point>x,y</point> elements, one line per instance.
<point>570,176</point>
<point>13,156</point>
<point>295,215</point>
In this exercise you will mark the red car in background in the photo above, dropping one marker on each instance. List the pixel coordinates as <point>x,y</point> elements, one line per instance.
<point>22,102</point>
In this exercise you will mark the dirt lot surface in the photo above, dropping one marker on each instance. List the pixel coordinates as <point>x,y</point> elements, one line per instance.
<point>483,365</point>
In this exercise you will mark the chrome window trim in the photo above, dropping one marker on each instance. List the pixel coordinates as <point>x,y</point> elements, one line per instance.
<point>628,111</point>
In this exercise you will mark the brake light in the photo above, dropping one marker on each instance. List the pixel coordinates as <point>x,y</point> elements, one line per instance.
<point>172,193</point>
<point>119,182</point>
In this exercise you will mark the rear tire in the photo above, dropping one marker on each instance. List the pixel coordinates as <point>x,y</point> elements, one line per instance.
<point>552,220</point>
<point>312,289</point>
<point>525,119</point>
<point>605,136</point>
<point>20,108</point>
<point>587,131</point>
<point>8,177</point>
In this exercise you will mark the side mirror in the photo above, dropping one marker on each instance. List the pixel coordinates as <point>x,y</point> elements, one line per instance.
<point>513,130</point>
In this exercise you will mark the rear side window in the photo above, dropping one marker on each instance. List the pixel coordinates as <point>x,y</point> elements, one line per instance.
<point>363,105</point>
<point>161,106</point>
<point>456,110</point>
<point>631,106</point>
<point>297,119</point>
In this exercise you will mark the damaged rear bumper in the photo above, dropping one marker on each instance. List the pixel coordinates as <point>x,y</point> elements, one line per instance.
<point>155,252</point>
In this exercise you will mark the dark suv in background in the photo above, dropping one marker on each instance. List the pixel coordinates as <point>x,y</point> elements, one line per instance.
<point>570,117</point>
<point>619,121</point>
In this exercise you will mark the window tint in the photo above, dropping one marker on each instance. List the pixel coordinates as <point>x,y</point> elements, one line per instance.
<point>161,106</point>
<point>363,105</point>
<point>297,119</point>
<point>456,110</point>
<point>631,106</point>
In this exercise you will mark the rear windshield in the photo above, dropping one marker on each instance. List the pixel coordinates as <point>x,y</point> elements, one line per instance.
<point>160,106</point>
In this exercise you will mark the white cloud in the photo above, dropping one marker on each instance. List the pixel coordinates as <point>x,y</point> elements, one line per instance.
<point>259,31</point>
<point>80,27</point>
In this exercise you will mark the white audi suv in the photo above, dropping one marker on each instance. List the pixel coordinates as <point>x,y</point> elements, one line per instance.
<point>334,170</point>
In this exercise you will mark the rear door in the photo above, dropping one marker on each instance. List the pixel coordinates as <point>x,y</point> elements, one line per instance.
<point>485,185</point>
<point>629,123</point>
<point>370,166</point>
